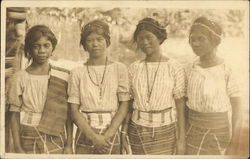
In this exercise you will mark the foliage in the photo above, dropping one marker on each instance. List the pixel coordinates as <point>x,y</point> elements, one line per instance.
<point>67,24</point>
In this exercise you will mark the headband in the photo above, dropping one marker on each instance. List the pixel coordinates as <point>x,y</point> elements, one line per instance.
<point>143,22</point>
<point>208,28</point>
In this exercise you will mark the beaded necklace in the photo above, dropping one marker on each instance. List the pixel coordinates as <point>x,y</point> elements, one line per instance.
<point>149,91</point>
<point>98,84</point>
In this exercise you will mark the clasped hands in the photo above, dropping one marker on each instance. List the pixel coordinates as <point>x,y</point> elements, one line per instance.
<point>102,143</point>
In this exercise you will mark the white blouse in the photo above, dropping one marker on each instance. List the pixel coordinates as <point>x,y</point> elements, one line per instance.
<point>82,91</point>
<point>210,89</point>
<point>169,84</point>
<point>28,92</point>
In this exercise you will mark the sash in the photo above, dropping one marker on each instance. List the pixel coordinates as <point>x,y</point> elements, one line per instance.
<point>214,120</point>
<point>54,115</point>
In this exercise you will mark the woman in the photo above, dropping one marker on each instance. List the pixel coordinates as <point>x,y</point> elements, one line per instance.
<point>98,93</point>
<point>157,91</point>
<point>40,95</point>
<point>212,92</point>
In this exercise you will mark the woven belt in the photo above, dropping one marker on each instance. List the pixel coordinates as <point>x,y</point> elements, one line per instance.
<point>215,120</point>
<point>31,119</point>
<point>154,118</point>
<point>98,120</point>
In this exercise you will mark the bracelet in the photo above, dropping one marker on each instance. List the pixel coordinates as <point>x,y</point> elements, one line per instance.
<point>124,132</point>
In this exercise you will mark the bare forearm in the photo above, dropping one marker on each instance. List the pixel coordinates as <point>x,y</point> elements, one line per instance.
<point>127,119</point>
<point>69,128</point>
<point>15,127</point>
<point>81,122</point>
<point>236,117</point>
<point>180,108</point>
<point>118,118</point>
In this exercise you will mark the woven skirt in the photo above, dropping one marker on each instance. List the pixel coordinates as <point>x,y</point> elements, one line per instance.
<point>85,146</point>
<point>207,133</point>
<point>99,122</point>
<point>35,142</point>
<point>153,141</point>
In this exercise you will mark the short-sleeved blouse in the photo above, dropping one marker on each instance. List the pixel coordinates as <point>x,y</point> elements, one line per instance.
<point>169,84</point>
<point>28,92</point>
<point>115,87</point>
<point>209,89</point>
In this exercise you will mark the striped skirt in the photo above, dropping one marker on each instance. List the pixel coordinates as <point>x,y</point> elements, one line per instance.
<point>99,122</point>
<point>35,142</point>
<point>85,146</point>
<point>153,141</point>
<point>207,133</point>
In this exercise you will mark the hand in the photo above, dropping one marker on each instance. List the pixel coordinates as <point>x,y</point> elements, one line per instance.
<point>101,143</point>
<point>180,146</point>
<point>108,136</point>
<point>68,150</point>
<point>125,144</point>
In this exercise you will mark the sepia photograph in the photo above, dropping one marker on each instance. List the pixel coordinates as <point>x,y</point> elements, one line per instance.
<point>124,79</point>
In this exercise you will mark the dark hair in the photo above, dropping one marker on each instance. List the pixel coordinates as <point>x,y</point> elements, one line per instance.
<point>96,26</point>
<point>34,34</point>
<point>153,26</point>
<point>214,29</point>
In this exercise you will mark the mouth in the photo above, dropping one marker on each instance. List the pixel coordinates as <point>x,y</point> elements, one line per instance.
<point>147,47</point>
<point>42,57</point>
<point>96,49</point>
<point>197,49</point>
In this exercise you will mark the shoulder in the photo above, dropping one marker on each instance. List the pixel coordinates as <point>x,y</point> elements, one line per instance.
<point>176,65</point>
<point>20,74</point>
<point>19,77</point>
<point>228,68</point>
<point>57,68</point>
<point>188,66</point>
<point>77,71</point>
<point>135,64</point>
<point>59,72</point>
<point>119,64</point>
<point>227,65</point>
<point>121,68</point>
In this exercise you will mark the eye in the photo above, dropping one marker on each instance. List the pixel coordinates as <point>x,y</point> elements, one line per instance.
<point>100,39</point>
<point>88,40</point>
<point>47,45</point>
<point>149,37</point>
<point>35,46</point>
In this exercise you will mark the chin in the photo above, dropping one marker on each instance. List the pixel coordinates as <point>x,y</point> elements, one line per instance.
<point>197,53</point>
<point>147,52</point>
<point>42,61</point>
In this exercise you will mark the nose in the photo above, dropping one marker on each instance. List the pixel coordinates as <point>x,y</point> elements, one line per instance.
<point>94,43</point>
<point>145,42</point>
<point>41,49</point>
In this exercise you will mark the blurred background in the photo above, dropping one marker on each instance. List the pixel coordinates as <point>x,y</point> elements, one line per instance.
<point>66,23</point>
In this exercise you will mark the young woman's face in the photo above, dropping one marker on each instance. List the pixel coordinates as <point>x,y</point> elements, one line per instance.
<point>95,45</point>
<point>201,43</point>
<point>148,42</point>
<point>41,50</point>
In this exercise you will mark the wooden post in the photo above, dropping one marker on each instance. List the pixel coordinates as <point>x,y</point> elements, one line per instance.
<point>15,32</point>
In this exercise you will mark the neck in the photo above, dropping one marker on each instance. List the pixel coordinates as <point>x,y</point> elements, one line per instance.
<point>101,60</point>
<point>39,69</point>
<point>40,66</point>
<point>208,58</point>
<point>154,57</point>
